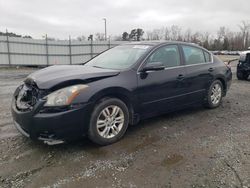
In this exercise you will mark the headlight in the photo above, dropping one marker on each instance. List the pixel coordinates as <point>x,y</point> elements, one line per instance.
<point>64,96</point>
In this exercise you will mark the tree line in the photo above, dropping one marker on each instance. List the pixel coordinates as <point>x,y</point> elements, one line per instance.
<point>11,34</point>
<point>225,39</point>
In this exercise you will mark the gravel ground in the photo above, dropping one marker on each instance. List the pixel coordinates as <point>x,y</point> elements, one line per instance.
<point>195,147</point>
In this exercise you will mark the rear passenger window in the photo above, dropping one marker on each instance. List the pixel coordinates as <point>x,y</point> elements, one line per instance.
<point>207,56</point>
<point>193,55</point>
<point>168,55</point>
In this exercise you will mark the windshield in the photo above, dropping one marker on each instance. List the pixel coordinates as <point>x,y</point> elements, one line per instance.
<point>119,57</point>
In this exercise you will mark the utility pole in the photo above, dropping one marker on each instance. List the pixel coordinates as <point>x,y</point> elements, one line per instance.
<point>105,27</point>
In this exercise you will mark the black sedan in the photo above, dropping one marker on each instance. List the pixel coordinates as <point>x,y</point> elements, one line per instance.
<point>117,88</point>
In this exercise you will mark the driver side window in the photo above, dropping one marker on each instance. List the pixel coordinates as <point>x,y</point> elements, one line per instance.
<point>168,55</point>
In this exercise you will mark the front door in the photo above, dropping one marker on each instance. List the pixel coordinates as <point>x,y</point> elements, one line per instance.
<point>162,90</point>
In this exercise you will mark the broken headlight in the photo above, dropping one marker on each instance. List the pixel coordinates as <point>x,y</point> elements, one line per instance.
<point>64,96</point>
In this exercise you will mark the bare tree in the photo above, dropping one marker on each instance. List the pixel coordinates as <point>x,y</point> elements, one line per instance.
<point>205,40</point>
<point>221,33</point>
<point>187,35</point>
<point>156,34</point>
<point>149,35</point>
<point>245,27</point>
<point>100,37</point>
<point>81,38</point>
<point>224,40</point>
<point>196,38</point>
<point>175,32</point>
<point>167,34</point>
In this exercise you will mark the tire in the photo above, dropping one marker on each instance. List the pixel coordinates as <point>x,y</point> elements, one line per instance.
<point>241,75</point>
<point>246,76</point>
<point>214,95</point>
<point>105,128</point>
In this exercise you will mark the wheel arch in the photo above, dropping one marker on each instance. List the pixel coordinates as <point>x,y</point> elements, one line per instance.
<point>120,93</point>
<point>224,84</point>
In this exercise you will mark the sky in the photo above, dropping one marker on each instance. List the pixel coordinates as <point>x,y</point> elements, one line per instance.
<point>61,18</point>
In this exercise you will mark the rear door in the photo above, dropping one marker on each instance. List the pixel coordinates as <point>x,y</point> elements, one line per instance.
<point>199,72</point>
<point>162,90</point>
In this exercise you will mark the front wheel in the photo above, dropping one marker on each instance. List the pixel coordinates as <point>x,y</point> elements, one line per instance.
<point>109,121</point>
<point>214,95</point>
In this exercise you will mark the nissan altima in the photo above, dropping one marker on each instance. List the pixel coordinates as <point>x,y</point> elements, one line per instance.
<point>117,88</point>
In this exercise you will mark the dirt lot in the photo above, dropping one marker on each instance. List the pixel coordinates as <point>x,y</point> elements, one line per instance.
<point>196,147</point>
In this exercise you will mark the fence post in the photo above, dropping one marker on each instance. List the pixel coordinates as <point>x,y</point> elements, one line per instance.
<point>109,43</point>
<point>47,49</point>
<point>8,47</point>
<point>91,49</point>
<point>70,54</point>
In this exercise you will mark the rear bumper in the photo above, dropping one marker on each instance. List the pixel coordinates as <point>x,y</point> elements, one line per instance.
<point>48,127</point>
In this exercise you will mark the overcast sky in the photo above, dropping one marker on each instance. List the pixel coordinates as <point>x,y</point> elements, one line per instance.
<point>61,18</point>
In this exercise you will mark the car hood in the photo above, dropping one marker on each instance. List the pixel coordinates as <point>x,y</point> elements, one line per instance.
<point>52,76</point>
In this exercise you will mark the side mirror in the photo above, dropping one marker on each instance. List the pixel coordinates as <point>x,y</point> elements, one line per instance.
<point>154,66</point>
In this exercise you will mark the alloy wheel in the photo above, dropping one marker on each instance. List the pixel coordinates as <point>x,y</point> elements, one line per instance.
<point>216,94</point>
<point>110,121</point>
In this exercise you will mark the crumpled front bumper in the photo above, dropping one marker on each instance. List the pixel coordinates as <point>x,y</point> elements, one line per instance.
<point>52,128</point>
<point>45,140</point>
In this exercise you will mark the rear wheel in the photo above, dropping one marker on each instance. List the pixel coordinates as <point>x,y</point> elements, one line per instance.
<point>214,95</point>
<point>109,121</point>
<point>241,75</point>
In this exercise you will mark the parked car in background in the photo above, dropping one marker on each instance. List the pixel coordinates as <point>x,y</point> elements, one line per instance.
<point>119,87</point>
<point>243,67</point>
<point>226,52</point>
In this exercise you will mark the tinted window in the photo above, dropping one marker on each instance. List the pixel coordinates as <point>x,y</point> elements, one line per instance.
<point>120,57</point>
<point>193,55</point>
<point>168,55</point>
<point>207,56</point>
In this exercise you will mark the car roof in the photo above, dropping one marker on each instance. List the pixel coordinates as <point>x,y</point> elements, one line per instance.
<point>159,43</point>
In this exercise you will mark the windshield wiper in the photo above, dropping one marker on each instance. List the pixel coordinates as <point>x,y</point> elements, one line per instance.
<point>105,68</point>
<point>98,67</point>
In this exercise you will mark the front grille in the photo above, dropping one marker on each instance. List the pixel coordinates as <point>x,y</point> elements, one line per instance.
<point>27,97</point>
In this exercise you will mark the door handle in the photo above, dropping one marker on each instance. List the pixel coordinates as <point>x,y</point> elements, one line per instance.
<point>180,77</point>
<point>211,69</point>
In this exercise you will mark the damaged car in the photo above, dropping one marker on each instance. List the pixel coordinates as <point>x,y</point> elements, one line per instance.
<point>117,88</point>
